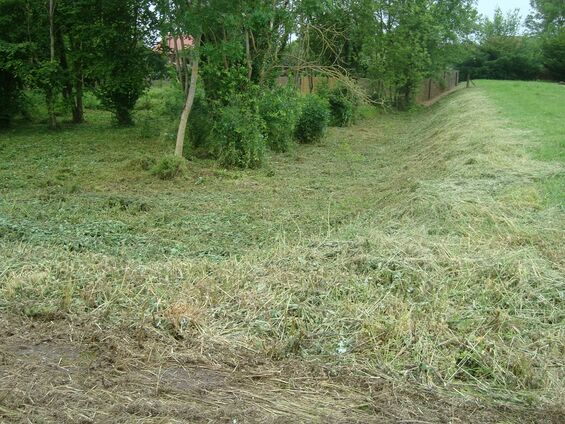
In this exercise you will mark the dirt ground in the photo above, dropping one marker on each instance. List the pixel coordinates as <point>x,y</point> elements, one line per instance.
<point>74,372</point>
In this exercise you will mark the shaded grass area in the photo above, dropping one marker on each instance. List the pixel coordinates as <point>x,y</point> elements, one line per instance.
<point>417,247</point>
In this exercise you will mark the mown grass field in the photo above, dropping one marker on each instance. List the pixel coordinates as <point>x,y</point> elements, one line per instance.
<point>407,269</point>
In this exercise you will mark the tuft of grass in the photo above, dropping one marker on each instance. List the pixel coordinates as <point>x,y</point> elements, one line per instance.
<point>169,167</point>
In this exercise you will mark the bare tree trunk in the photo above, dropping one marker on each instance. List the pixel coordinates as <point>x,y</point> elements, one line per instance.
<point>248,56</point>
<point>50,91</point>
<point>78,107</point>
<point>78,83</point>
<point>189,102</point>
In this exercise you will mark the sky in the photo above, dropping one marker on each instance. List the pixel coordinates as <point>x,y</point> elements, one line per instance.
<point>486,7</point>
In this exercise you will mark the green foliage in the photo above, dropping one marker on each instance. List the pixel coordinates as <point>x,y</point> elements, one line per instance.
<point>14,66</point>
<point>122,62</point>
<point>92,102</point>
<point>314,119</point>
<point>511,58</point>
<point>169,167</point>
<point>119,90</point>
<point>501,52</point>
<point>222,84</point>
<point>548,16</point>
<point>238,137</point>
<point>280,109</point>
<point>548,22</point>
<point>200,123</point>
<point>10,97</point>
<point>554,55</point>
<point>396,42</point>
<point>343,105</point>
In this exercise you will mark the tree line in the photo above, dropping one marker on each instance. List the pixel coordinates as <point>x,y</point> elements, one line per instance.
<point>226,55</point>
<point>511,47</point>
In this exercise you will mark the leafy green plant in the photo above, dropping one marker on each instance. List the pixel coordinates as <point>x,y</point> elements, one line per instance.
<point>238,136</point>
<point>90,101</point>
<point>200,123</point>
<point>343,105</point>
<point>314,119</point>
<point>554,55</point>
<point>280,109</point>
<point>169,167</point>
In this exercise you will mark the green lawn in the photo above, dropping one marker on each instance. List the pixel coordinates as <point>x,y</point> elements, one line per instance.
<point>413,253</point>
<point>539,109</point>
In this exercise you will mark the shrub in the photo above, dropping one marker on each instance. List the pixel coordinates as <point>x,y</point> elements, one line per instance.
<point>199,123</point>
<point>280,109</point>
<point>238,136</point>
<point>11,94</point>
<point>169,167</point>
<point>90,101</point>
<point>167,100</point>
<point>314,119</point>
<point>343,106</point>
<point>554,55</point>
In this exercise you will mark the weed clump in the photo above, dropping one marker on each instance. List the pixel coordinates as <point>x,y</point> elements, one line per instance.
<point>314,119</point>
<point>169,167</point>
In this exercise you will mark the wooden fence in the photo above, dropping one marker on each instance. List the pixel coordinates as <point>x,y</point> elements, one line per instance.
<point>429,89</point>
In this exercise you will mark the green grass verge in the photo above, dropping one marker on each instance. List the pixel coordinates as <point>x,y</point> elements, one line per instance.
<point>539,109</point>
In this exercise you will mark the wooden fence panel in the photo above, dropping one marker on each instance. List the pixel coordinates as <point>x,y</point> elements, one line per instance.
<point>429,89</point>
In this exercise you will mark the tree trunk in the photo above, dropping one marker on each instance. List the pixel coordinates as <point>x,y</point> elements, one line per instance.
<point>50,91</point>
<point>189,102</point>
<point>78,107</point>
<point>248,56</point>
<point>77,81</point>
<point>68,85</point>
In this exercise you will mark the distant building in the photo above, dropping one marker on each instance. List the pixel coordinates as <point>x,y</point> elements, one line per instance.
<point>175,44</point>
<point>182,43</point>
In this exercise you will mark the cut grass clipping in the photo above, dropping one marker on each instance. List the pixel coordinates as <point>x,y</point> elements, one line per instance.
<point>418,245</point>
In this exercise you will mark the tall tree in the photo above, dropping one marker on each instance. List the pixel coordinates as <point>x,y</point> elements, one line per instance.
<point>14,64</point>
<point>121,67</point>
<point>52,65</point>
<point>235,45</point>
<point>548,21</point>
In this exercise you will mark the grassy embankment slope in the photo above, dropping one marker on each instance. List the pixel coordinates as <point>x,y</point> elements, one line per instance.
<point>409,268</point>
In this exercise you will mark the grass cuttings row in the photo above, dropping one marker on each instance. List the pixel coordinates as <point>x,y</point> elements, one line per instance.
<point>419,245</point>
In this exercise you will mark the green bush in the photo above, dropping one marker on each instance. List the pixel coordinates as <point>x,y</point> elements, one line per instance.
<point>554,55</point>
<point>169,167</point>
<point>504,58</point>
<point>200,123</point>
<point>90,101</point>
<point>168,100</point>
<point>314,119</point>
<point>280,109</point>
<point>343,106</point>
<point>238,136</point>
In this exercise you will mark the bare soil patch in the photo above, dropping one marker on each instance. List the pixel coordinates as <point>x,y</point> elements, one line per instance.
<point>64,372</point>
